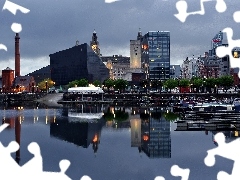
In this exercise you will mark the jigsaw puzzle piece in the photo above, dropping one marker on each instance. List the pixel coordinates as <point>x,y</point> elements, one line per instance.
<point>236,16</point>
<point>177,171</point>
<point>159,178</point>
<point>221,6</point>
<point>182,15</point>
<point>85,178</point>
<point>222,51</point>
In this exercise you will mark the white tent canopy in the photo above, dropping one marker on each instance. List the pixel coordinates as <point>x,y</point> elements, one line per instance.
<point>86,90</point>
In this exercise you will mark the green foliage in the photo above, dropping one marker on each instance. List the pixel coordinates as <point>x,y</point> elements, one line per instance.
<point>108,83</point>
<point>197,82</point>
<point>171,83</point>
<point>226,81</point>
<point>170,116</point>
<point>108,116</point>
<point>120,84</point>
<point>46,83</point>
<point>121,115</point>
<point>97,83</point>
<point>211,82</point>
<point>184,83</point>
<point>78,83</point>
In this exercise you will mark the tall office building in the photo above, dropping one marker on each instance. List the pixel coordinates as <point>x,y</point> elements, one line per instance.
<point>156,54</point>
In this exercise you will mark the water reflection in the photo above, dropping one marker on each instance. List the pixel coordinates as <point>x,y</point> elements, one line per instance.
<point>150,131</point>
<point>80,133</point>
<point>81,125</point>
<point>15,122</point>
<point>156,135</point>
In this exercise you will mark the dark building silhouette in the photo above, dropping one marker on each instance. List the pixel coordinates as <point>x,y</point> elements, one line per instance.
<point>80,133</point>
<point>41,74</point>
<point>76,63</point>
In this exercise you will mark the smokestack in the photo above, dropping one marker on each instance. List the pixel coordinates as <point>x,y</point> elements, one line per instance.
<point>17,56</point>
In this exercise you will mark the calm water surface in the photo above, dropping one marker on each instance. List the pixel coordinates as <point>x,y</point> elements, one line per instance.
<point>125,144</point>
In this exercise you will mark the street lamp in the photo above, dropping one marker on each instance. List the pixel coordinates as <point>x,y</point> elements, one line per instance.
<point>46,86</point>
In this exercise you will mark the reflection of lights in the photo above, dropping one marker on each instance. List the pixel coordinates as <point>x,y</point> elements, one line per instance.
<point>95,138</point>
<point>145,111</point>
<point>46,119</point>
<point>145,137</point>
<point>133,112</point>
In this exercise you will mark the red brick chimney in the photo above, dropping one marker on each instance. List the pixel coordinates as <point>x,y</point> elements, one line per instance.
<point>17,56</point>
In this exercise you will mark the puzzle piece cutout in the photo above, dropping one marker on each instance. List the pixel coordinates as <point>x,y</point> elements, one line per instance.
<point>226,150</point>
<point>33,169</point>
<point>111,1</point>
<point>222,51</point>
<point>182,7</point>
<point>16,27</point>
<point>177,171</point>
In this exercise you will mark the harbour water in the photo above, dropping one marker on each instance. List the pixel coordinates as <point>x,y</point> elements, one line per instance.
<point>109,143</point>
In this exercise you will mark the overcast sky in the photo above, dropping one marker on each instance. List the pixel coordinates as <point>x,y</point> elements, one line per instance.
<point>55,25</point>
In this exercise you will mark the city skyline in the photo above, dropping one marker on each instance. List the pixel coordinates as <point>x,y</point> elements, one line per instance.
<point>54,26</point>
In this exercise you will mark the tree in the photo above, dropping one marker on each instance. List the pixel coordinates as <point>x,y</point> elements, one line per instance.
<point>197,82</point>
<point>73,83</point>
<point>210,83</point>
<point>226,82</point>
<point>184,83</point>
<point>121,115</point>
<point>170,116</point>
<point>82,83</point>
<point>120,84</point>
<point>45,84</point>
<point>97,83</point>
<point>108,83</point>
<point>170,84</point>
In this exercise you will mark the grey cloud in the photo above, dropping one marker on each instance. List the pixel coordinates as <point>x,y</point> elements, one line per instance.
<point>56,25</point>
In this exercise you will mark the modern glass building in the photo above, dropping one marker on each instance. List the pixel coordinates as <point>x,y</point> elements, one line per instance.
<point>156,55</point>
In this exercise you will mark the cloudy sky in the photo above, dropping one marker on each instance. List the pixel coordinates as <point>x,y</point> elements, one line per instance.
<point>55,25</point>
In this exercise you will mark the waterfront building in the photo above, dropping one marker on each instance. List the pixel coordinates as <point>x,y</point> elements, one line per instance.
<point>135,54</point>
<point>156,54</point>
<point>41,74</point>
<point>75,63</point>
<point>234,73</point>
<point>7,80</point>
<point>175,71</point>
<point>94,44</point>
<point>24,84</point>
<point>118,66</point>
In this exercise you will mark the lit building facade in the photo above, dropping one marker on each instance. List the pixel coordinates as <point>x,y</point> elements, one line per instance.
<point>156,55</point>
<point>135,54</point>
<point>94,44</point>
<point>118,65</point>
<point>7,80</point>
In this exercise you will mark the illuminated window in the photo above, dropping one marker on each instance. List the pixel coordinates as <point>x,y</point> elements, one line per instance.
<point>235,54</point>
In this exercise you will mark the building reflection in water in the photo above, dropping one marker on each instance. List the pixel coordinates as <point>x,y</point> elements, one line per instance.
<point>82,126</point>
<point>15,122</point>
<point>150,132</point>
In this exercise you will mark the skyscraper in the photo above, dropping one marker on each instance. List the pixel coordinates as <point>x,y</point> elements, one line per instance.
<point>156,54</point>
